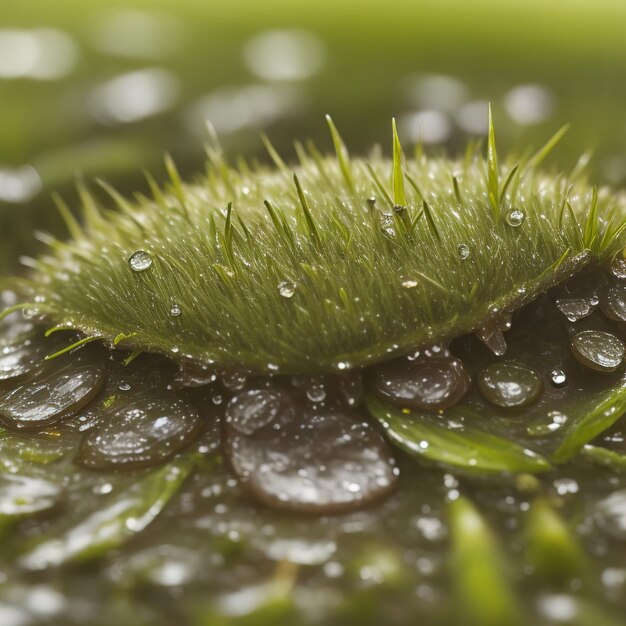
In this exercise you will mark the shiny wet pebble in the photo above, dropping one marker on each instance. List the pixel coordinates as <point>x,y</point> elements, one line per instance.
<point>22,495</point>
<point>598,350</point>
<point>430,383</point>
<point>509,384</point>
<point>314,461</point>
<point>44,400</point>
<point>145,432</point>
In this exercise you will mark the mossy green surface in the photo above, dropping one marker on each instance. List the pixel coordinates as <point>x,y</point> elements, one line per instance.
<point>332,265</point>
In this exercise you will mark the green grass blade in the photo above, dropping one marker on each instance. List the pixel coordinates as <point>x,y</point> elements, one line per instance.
<point>434,439</point>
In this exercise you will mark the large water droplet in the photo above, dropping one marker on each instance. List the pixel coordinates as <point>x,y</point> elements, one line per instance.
<point>425,383</point>
<point>140,261</point>
<point>618,268</point>
<point>463,251</point>
<point>144,431</point>
<point>44,400</point>
<point>321,461</point>
<point>175,310</point>
<point>574,309</point>
<point>286,288</point>
<point>515,217</point>
<point>613,303</point>
<point>510,384</point>
<point>598,350</point>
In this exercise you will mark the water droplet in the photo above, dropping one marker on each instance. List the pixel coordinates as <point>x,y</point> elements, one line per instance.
<point>318,460</point>
<point>598,350</point>
<point>515,217</point>
<point>175,310</point>
<point>491,335</point>
<point>409,284</point>
<point>44,400</point>
<point>286,288</point>
<point>463,251</point>
<point>574,309</point>
<point>254,409</point>
<point>558,378</point>
<point>613,303</point>
<point>509,384</point>
<point>140,261</point>
<point>143,432</point>
<point>425,383</point>
<point>618,268</point>
<point>235,381</point>
<point>316,391</point>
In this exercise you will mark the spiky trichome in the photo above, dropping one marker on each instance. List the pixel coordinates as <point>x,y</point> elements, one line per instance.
<point>331,264</point>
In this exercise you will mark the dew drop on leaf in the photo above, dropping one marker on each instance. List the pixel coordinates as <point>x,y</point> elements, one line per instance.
<point>286,288</point>
<point>175,310</point>
<point>463,251</point>
<point>140,261</point>
<point>515,217</point>
<point>409,284</point>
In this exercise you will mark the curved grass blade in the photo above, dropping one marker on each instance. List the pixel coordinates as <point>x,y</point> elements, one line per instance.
<point>436,440</point>
<point>483,595</point>
<point>124,515</point>
<point>605,408</point>
<point>607,458</point>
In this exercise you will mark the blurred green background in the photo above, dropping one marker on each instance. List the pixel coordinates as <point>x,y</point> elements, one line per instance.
<point>105,88</point>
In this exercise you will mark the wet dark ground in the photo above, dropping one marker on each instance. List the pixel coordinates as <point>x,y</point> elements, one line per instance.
<point>141,493</point>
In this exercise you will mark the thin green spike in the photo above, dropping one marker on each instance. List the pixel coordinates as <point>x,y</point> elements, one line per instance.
<point>307,212</point>
<point>56,329</point>
<point>492,171</point>
<point>431,222</point>
<point>123,337</point>
<point>457,190</point>
<point>177,183</point>
<point>276,158</point>
<point>343,157</point>
<point>76,344</point>
<point>16,307</point>
<point>591,223</point>
<point>508,181</point>
<point>131,357</point>
<point>73,226</point>
<point>399,195</point>
<point>539,156</point>
<point>432,281</point>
